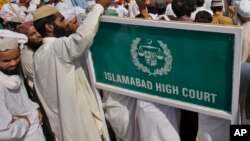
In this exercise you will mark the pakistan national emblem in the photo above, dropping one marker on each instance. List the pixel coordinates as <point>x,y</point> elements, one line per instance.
<point>147,58</point>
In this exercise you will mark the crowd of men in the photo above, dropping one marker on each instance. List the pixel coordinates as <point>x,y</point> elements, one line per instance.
<point>45,93</point>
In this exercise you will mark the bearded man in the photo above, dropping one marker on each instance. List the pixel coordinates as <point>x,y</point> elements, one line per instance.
<point>60,81</point>
<point>35,40</point>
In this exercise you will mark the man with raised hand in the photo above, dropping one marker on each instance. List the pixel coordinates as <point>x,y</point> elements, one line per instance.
<point>60,82</point>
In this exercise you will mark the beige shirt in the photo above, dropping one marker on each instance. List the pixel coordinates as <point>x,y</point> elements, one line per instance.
<point>62,87</point>
<point>27,67</point>
<point>246,43</point>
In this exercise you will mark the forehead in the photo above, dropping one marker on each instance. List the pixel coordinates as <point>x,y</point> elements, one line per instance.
<point>73,20</point>
<point>10,54</point>
<point>59,15</point>
<point>31,30</point>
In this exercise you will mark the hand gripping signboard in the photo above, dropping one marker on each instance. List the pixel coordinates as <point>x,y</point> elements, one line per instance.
<point>190,66</point>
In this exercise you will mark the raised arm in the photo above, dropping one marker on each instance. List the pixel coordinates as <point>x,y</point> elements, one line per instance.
<point>76,44</point>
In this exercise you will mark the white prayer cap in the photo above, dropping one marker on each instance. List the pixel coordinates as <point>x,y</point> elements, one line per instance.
<point>12,0</point>
<point>7,43</point>
<point>10,40</point>
<point>68,14</point>
<point>216,3</point>
<point>243,8</point>
<point>24,9</point>
<point>79,10</point>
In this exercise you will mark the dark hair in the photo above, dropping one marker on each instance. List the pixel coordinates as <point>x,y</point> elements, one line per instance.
<point>160,8</point>
<point>200,3</point>
<point>40,24</point>
<point>217,8</point>
<point>152,9</point>
<point>203,17</point>
<point>161,11</point>
<point>191,7</point>
<point>179,7</point>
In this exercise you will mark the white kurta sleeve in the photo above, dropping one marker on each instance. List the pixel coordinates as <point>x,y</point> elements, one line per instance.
<point>28,70</point>
<point>8,130</point>
<point>72,47</point>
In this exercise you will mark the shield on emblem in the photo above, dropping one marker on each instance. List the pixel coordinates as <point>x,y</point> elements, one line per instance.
<point>150,53</point>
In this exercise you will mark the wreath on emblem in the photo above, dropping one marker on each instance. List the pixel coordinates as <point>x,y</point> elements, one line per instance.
<point>159,71</point>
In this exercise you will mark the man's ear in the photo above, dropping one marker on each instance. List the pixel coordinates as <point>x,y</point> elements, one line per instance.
<point>49,27</point>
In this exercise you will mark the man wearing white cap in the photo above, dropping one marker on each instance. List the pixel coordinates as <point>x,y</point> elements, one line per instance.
<point>73,16</point>
<point>20,119</point>
<point>243,13</point>
<point>218,17</point>
<point>60,82</point>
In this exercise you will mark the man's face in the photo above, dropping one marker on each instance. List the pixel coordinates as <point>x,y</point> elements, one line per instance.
<point>61,26</point>
<point>35,39</point>
<point>9,60</point>
<point>73,25</point>
<point>33,35</point>
<point>60,21</point>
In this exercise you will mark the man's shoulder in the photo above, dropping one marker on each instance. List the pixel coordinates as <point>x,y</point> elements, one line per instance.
<point>46,46</point>
<point>46,51</point>
<point>26,51</point>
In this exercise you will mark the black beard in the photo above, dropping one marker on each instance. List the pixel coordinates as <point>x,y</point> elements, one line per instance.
<point>34,46</point>
<point>61,32</point>
<point>13,72</point>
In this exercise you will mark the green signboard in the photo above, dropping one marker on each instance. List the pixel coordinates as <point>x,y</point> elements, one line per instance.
<point>183,65</point>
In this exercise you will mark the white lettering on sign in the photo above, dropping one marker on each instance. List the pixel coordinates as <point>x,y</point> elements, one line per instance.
<point>161,87</point>
<point>199,95</point>
<point>128,80</point>
<point>167,88</point>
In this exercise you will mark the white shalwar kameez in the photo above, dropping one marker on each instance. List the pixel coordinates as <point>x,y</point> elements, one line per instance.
<point>120,112</point>
<point>157,122</point>
<point>244,88</point>
<point>15,102</point>
<point>62,87</point>
<point>213,128</point>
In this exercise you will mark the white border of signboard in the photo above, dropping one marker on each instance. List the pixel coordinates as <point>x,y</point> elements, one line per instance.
<point>237,31</point>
